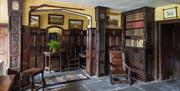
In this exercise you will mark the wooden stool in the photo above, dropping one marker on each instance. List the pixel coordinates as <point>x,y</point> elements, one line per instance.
<point>32,72</point>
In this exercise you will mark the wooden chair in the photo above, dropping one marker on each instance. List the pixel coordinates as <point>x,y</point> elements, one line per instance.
<point>31,73</point>
<point>72,58</point>
<point>119,70</point>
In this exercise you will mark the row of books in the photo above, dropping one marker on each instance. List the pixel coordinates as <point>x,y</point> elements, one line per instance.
<point>138,24</point>
<point>135,17</point>
<point>134,43</point>
<point>135,32</point>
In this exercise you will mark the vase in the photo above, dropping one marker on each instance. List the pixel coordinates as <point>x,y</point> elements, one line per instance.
<point>54,50</point>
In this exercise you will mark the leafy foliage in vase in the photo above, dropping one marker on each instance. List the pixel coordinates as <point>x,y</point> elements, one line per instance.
<point>54,45</point>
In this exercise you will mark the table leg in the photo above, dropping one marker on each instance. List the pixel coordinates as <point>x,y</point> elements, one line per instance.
<point>32,83</point>
<point>45,62</point>
<point>60,62</point>
<point>50,63</point>
<point>43,80</point>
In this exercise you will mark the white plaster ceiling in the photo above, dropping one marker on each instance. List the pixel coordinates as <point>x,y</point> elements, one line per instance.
<point>123,5</point>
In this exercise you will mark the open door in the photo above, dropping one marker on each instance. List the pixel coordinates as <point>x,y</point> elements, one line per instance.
<point>170,51</point>
<point>4,64</point>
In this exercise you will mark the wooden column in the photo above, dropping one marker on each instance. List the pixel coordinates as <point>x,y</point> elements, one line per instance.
<point>15,17</point>
<point>100,40</point>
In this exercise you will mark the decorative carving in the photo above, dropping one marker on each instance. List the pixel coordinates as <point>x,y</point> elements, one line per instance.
<point>101,40</point>
<point>14,62</point>
<point>15,12</point>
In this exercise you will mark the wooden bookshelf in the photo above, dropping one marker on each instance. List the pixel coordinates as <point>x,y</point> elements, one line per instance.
<point>138,29</point>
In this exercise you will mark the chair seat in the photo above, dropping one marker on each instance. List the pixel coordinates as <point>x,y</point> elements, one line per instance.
<point>32,71</point>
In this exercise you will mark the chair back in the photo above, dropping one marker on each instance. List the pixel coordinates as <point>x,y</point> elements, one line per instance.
<point>71,52</point>
<point>116,62</point>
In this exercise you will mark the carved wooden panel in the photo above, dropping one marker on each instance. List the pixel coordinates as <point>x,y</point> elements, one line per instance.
<point>137,57</point>
<point>15,18</point>
<point>101,41</point>
<point>15,40</point>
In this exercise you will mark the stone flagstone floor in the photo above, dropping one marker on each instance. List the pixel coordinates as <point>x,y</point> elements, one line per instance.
<point>103,84</point>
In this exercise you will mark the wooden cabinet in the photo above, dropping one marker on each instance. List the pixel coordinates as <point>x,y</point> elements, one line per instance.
<point>138,41</point>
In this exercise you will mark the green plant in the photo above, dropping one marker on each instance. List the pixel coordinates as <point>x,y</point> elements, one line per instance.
<point>54,45</point>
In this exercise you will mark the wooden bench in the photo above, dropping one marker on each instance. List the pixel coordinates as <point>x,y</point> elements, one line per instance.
<point>32,72</point>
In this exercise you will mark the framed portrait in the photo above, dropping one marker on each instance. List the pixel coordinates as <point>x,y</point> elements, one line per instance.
<point>34,21</point>
<point>75,24</point>
<point>170,13</point>
<point>55,19</point>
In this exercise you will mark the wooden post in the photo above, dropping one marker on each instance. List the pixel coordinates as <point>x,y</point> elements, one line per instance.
<point>100,40</point>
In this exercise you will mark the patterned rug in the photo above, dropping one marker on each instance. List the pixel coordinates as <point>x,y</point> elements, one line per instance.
<point>60,79</point>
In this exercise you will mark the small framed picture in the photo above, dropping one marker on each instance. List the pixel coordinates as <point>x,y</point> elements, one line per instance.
<point>170,13</point>
<point>34,21</point>
<point>55,19</point>
<point>75,24</point>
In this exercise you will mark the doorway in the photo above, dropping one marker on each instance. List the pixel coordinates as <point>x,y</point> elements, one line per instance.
<point>170,50</point>
<point>4,62</point>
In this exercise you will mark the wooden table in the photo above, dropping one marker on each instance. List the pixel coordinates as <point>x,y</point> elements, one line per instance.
<point>6,82</point>
<point>48,56</point>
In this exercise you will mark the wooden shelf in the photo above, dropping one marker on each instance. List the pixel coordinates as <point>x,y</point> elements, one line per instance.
<point>134,21</point>
<point>132,47</point>
<point>134,37</point>
<point>135,42</point>
<point>134,28</point>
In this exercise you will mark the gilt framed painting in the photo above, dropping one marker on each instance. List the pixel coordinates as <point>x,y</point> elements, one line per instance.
<point>35,21</point>
<point>76,24</point>
<point>55,19</point>
<point>170,13</point>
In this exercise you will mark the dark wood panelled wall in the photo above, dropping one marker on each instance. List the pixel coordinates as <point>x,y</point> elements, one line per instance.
<point>34,44</point>
<point>138,42</point>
